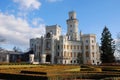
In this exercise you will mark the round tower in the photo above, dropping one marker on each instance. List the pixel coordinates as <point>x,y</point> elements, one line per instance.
<point>72,26</point>
<point>72,15</point>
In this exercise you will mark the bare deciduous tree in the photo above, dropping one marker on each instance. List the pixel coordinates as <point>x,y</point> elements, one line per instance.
<point>118,44</point>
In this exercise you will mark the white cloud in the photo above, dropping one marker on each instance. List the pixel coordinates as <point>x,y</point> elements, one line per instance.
<point>53,1</point>
<point>28,4</point>
<point>26,7</point>
<point>36,21</point>
<point>17,31</point>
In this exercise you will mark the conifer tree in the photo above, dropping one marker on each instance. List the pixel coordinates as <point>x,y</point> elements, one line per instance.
<point>107,47</point>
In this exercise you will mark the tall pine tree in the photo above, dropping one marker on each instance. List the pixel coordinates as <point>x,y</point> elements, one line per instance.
<point>107,47</point>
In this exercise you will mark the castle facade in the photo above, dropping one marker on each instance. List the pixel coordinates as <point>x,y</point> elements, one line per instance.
<point>72,48</point>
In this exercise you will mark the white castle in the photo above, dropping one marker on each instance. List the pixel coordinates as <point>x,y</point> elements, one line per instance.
<point>72,48</point>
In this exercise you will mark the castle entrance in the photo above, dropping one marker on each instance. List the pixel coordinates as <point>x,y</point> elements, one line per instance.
<point>48,58</point>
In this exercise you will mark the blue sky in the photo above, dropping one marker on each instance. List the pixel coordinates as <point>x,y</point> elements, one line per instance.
<point>21,20</point>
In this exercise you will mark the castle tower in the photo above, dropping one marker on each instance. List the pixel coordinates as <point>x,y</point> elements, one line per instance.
<point>72,26</point>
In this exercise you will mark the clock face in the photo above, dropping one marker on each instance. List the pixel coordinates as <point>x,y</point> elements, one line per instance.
<point>48,35</point>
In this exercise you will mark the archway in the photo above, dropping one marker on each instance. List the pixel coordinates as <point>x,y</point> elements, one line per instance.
<point>48,58</point>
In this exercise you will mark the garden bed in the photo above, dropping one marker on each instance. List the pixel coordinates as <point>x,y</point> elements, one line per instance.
<point>57,72</point>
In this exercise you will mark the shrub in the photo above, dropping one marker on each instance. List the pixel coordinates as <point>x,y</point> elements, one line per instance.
<point>33,72</point>
<point>97,69</point>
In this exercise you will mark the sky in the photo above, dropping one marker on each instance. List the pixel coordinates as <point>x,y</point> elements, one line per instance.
<point>21,20</point>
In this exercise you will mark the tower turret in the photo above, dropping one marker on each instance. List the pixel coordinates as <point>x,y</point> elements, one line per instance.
<point>72,26</point>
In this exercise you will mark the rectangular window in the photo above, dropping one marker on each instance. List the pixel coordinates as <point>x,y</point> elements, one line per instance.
<point>86,41</point>
<point>67,46</point>
<point>58,54</point>
<point>74,61</point>
<point>64,54</point>
<point>81,47</point>
<point>86,47</point>
<point>78,47</point>
<point>58,47</point>
<point>64,46</point>
<point>71,54</point>
<point>92,41</point>
<point>92,47</point>
<point>74,46</point>
<point>87,54</point>
<point>74,54</point>
<point>92,54</point>
<point>80,54</point>
<point>71,46</point>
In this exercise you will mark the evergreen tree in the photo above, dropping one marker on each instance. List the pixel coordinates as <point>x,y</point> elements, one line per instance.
<point>107,47</point>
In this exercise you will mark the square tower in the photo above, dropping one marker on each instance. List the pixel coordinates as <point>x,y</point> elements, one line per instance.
<point>53,30</point>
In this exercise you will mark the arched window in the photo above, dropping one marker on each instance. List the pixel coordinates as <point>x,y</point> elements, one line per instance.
<point>74,61</point>
<point>58,54</point>
<point>65,61</point>
<point>48,58</point>
<point>48,35</point>
<point>48,45</point>
<point>71,61</point>
<point>58,47</point>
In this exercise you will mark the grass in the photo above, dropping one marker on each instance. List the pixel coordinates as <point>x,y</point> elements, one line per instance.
<point>62,71</point>
<point>17,66</point>
<point>75,69</point>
